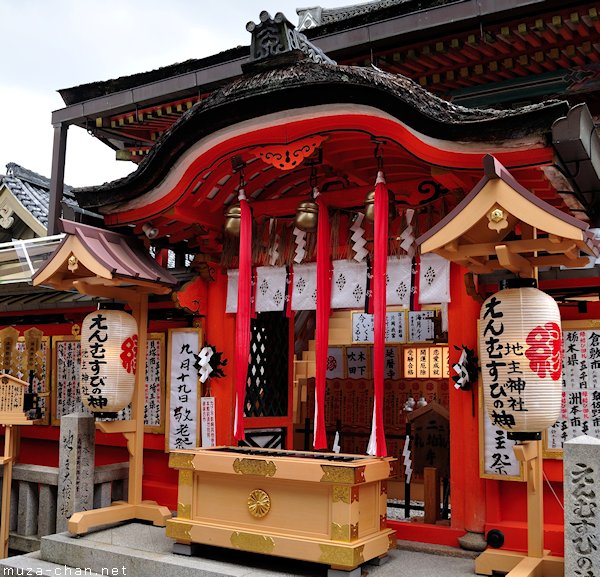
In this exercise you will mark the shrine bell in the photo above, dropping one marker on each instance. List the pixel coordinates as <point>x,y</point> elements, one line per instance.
<point>233,219</point>
<point>307,215</point>
<point>109,340</point>
<point>520,344</point>
<point>370,206</point>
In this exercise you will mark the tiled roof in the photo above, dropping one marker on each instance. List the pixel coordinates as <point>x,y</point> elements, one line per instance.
<point>370,11</point>
<point>32,190</point>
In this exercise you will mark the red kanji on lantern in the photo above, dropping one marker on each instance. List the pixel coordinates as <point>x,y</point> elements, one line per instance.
<point>129,353</point>
<point>545,350</point>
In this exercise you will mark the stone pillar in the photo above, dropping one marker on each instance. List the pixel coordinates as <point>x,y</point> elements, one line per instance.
<point>27,516</point>
<point>76,470</point>
<point>582,505</point>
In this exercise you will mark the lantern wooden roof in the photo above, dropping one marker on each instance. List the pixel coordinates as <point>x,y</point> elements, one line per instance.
<point>500,224</point>
<point>12,392</point>
<point>92,256</point>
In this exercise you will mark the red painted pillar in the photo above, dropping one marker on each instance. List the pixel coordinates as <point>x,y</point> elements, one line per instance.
<point>467,489</point>
<point>220,332</point>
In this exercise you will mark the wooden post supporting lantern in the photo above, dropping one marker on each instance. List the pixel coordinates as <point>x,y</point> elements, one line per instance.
<point>12,414</point>
<point>109,343</point>
<point>106,264</point>
<point>520,345</point>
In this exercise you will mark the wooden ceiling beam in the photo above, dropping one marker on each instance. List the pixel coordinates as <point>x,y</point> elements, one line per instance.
<point>513,262</point>
<point>516,246</point>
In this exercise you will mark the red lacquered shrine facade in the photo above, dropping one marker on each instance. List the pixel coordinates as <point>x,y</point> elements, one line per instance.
<point>301,142</point>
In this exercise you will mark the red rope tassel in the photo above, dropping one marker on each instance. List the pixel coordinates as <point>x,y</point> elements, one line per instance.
<point>322,332</point>
<point>377,445</point>
<point>242,319</point>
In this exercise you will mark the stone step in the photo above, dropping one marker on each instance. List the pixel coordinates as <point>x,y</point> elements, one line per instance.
<point>146,551</point>
<point>32,564</point>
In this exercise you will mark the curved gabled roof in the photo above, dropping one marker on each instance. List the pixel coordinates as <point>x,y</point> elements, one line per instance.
<point>307,84</point>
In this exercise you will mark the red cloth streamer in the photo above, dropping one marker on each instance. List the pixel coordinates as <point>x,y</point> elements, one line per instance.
<point>379,304</point>
<point>242,319</point>
<point>322,332</point>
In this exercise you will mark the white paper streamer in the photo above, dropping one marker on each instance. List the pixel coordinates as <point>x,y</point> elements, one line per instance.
<point>274,253</point>
<point>336,443</point>
<point>233,276</point>
<point>358,238</point>
<point>460,369</point>
<point>204,361</point>
<point>372,445</point>
<point>300,245</point>
<point>407,460</point>
<point>408,235</point>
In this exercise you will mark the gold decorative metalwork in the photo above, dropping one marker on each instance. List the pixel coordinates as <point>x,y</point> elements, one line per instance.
<point>259,503</point>
<point>382,522</point>
<point>497,215</point>
<point>186,478</point>
<point>184,511</point>
<point>343,494</point>
<point>344,532</point>
<point>181,460</point>
<point>72,263</point>
<point>179,531</point>
<point>383,488</point>
<point>497,220</point>
<point>391,541</point>
<point>336,474</point>
<point>252,542</point>
<point>338,556</point>
<point>76,330</point>
<point>394,468</point>
<point>258,467</point>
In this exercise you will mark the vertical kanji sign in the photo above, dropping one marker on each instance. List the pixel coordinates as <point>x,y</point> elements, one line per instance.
<point>184,344</point>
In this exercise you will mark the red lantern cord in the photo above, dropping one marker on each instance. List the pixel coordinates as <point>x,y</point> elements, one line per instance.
<point>322,332</point>
<point>242,319</point>
<point>377,444</point>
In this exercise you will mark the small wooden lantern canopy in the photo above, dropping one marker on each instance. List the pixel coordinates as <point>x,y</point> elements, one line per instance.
<point>475,234</point>
<point>12,401</point>
<point>102,263</point>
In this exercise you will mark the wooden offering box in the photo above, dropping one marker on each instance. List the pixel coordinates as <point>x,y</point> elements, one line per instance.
<point>322,507</point>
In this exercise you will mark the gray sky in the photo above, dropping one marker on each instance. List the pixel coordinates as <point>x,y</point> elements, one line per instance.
<point>48,45</point>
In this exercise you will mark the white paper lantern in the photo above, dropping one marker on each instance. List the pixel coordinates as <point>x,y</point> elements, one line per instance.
<point>520,344</point>
<point>108,360</point>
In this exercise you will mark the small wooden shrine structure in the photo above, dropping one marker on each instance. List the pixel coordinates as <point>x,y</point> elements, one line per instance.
<point>106,264</point>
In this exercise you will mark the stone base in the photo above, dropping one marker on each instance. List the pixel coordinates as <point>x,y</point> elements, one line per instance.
<point>187,550</point>
<point>341,573</point>
<point>23,544</point>
<point>377,561</point>
<point>145,551</point>
<point>473,541</point>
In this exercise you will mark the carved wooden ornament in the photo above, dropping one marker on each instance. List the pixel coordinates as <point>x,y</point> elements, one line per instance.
<point>289,156</point>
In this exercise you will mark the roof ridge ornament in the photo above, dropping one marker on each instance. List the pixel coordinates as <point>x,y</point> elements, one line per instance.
<point>276,43</point>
